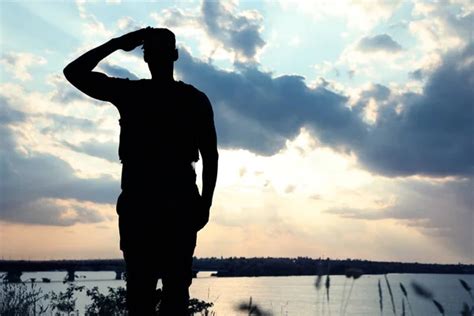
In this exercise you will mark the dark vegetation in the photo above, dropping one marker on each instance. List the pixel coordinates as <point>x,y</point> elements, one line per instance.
<point>22,299</point>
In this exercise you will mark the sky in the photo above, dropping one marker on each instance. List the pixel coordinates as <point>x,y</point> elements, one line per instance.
<point>345,128</point>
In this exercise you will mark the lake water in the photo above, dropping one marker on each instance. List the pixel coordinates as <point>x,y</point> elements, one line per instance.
<point>296,295</point>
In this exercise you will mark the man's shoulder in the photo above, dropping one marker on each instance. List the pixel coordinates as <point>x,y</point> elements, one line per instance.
<point>192,91</point>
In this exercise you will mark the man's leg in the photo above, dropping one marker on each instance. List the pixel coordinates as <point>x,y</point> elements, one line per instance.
<point>141,283</point>
<point>177,278</point>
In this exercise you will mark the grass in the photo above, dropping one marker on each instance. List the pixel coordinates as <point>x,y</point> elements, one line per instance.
<point>425,294</point>
<point>27,299</point>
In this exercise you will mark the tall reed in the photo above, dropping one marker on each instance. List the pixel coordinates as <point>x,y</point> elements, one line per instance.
<point>391,295</point>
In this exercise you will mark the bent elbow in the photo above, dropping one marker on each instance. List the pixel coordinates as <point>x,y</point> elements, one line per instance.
<point>68,72</point>
<point>72,73</point>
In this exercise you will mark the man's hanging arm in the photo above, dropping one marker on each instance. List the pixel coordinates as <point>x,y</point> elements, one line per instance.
<point>209,154</point>
<point>95,84</point>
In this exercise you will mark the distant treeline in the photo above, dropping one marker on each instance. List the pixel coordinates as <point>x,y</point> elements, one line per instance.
<point>309,266</point>
<point>236,266</point>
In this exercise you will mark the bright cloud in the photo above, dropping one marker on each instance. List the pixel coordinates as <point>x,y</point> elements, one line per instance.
<point>356,14</point>
<point>222,29</point>
<point>19,64</point>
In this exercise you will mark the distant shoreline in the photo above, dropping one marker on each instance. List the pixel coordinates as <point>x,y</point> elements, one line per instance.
<point>249,267</point>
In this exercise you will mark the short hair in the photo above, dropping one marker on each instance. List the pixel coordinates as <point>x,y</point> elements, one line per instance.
<point>160,38</point>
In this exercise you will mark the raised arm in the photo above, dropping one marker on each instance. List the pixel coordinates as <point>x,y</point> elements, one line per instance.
<point>95,84</point>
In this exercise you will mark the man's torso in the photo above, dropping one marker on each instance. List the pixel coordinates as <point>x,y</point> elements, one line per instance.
<point>158,136</point>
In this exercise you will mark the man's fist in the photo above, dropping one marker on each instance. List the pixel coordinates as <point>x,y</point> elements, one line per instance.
<point>132,40</point>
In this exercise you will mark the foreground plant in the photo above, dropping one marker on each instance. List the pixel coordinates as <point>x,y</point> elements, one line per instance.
<point>426,294</point>
<point>405,294</point>
<point>252,309</point>
<point>65,302</point>
<point>466,310</point>
<point>113,303</point>
<point>21,299</point>
<point>353,274</point>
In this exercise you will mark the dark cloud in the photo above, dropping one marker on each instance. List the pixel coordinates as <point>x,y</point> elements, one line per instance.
<point>31,180</point>
<point>255,111</point>
<point>377,91</point>
<point>241,32</point>
<point>433,134</point>
<point>117,71</point>
<point>8,115</point>
<point>46,212</point>
<point>417,74</point>
<point>238,32</point>
<point>381,42</point>
<point>93,147</point>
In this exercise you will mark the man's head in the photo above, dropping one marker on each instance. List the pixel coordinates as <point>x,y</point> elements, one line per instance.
<point>159,47</point>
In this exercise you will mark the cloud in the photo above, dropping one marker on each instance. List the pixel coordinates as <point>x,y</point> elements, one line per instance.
<point>63,123</point>
<point>30,181</point>
<point>18,64</point>
<point>239,31</point>
<point>362,15</point>
<point>54,212</point>
<point>416,74</point>
<point>93,147</point>
<point>92,27</point>
<point>220,26</point>
<point>432,134</point>
<point>64,92</point>
<point>35,185</point>
<point>117,71</point>
<point>128,24</point>
<point>257,112</point>
<point>433,29</point>
<point>381,42</point>
<point>440,210</point>
<point>441,26</point>
<point>9,115</point>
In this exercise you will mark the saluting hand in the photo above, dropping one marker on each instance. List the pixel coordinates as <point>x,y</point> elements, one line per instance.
<point>132,40</point>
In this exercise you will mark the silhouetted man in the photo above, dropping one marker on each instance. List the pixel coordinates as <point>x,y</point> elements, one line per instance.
<point>164,125</point>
